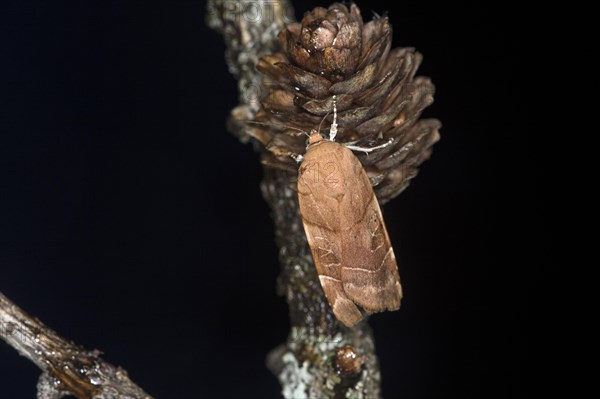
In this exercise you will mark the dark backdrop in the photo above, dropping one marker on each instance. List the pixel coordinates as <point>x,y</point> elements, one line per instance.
<point>132,222</point>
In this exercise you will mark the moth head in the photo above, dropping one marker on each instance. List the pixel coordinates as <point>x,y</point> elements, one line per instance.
<point>315,137</point>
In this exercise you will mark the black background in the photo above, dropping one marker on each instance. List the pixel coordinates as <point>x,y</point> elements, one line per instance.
<point>132,222</point>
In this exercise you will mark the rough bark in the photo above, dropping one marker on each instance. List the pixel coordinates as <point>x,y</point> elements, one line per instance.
<point>314,361</point>
<point>66,367</point>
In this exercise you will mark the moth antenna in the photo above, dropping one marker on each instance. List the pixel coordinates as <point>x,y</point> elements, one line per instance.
<point>369,149</point>
<point>306,134</point>
<point>323,120</point>
<point>272,125</point>
<point>333,129</point>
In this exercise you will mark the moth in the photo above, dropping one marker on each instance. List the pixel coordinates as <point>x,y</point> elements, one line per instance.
<point>345,231</point>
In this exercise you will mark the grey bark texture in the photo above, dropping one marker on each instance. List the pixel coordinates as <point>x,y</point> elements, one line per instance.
<point>310,364</point>
<point>66,367</point>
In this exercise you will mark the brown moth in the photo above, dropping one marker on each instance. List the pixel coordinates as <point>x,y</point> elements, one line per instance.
<point>345,231</point>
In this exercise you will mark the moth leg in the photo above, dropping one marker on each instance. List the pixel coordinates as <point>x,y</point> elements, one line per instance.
<point>369,149</point>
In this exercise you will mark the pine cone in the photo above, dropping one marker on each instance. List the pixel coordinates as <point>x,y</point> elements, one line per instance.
<point>378,98</point>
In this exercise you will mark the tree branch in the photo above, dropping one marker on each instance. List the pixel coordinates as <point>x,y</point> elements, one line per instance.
<point>66,367</point>
<point>321,358</point>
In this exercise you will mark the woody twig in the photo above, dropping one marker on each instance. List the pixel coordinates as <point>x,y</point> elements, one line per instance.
<point>66,367</point>
<point>321,358</point>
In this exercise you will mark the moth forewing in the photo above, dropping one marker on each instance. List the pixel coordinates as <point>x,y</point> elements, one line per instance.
<point>346,233</point>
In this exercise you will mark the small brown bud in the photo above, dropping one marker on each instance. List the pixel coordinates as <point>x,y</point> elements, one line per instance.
<point>348,363</point>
